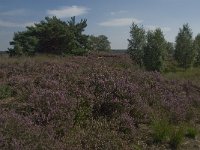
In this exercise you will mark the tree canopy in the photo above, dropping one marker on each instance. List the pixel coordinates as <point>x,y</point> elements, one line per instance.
<point>155,50</point>
<point>99,43</point>
<point>137,43</point>
<point>197,48</point>
<point>148,50</point>
<point>51,35</point>
<point>184,49</point>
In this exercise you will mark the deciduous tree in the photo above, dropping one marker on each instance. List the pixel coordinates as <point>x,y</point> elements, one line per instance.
<point>184,49</point>
<point>197,49</point>
<point>99,43</point>
<point>136,43</point>
<point>154,51</point>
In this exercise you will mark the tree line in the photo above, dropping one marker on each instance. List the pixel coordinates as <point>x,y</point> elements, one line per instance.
<point>151,51</point>
<point>55,36</point>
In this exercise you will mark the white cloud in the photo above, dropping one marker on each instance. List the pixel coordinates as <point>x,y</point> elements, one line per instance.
<point>118,12</point>
<point>151,27</point>
<point>67,11</point>
<point>14,24</point>
<point>16,12</point>
<point>119,22</point>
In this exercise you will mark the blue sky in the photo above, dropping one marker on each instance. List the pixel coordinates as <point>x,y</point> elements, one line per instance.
<point>112,18</point>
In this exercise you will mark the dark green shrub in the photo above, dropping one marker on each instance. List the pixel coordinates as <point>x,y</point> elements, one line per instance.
<point>79,52</point>
<point>5,91</point>
<point>82,113</point>
<point>108,109</point>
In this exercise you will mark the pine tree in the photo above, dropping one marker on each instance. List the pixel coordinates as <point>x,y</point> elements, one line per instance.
<point>51,35</point>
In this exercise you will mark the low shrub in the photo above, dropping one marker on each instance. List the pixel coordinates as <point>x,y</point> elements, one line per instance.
<point>79,52</point>
<point>82,113</point>
<point>67,98</point>
<point>5,91</point>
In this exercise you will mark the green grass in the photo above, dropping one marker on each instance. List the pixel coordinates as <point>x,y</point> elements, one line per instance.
<point>164,132</point>
<point>176,137</point>
<point>191,132</point>
<point>192,75</point>
<point>160,130</point>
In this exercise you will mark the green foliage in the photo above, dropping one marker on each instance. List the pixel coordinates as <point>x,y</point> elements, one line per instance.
<point>24,44</point>
<point>137,43</point>
<point>82,113</point>
<point>99,43</point>
<point>197,49</point>
<point>79,51</point>
<point>191,132</point>
<point>78,39</point>
<point>50,36</point>
<point>170,49</point>
<point>192,74</point>
<point>5,91</point>
<point>148,50</point>
<point>176,137</point>
<point>161,130</point>
<point>184,49</point>
<point>155,50</point>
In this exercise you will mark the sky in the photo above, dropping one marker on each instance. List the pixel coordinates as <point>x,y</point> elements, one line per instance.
<point>112,18</point>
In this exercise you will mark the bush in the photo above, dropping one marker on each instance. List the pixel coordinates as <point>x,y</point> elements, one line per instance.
<point>79,52</point>
<point>5,91</point>
<point>82,113</point>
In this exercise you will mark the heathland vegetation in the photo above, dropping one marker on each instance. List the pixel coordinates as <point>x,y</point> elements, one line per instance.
<point>62,89</point>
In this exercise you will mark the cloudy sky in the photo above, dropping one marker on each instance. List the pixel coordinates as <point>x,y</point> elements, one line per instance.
<point>109,17</point>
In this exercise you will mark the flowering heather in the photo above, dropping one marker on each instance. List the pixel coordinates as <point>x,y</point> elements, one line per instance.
<point>91,102</point>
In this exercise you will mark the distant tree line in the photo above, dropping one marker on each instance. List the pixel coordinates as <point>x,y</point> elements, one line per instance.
<point>151,51</point>
<point>55,36</point>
